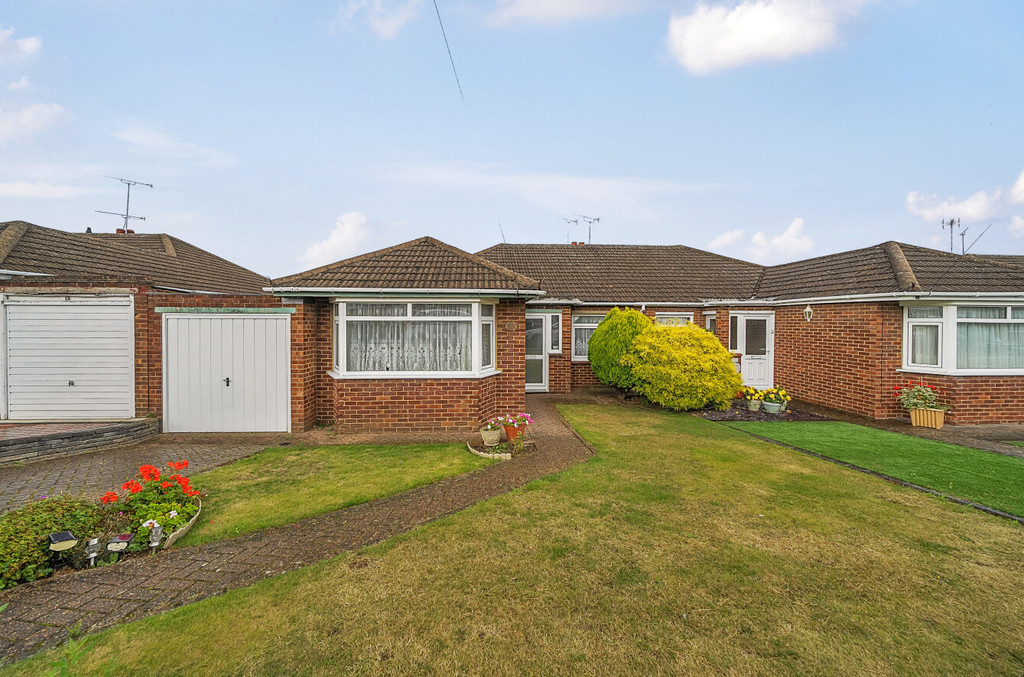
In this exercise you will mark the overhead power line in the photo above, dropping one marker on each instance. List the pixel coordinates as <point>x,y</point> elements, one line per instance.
<point>448,47</point>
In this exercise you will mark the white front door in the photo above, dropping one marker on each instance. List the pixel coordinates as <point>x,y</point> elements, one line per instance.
<point>537,332</point>
<point>68,357</point>
<point>753,335</point>
<point>227,373</point>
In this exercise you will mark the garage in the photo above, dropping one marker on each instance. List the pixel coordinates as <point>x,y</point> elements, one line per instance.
<point>226,371</point>
<point>68,357</point>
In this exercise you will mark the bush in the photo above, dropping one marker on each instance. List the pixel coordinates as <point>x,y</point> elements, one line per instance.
<point>24,548</point>
<point>611,341</point>
<point>683,368</point>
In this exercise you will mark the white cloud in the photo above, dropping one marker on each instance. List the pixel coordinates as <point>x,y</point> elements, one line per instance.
<point>557,192</point>
<point>20,84</point>
<point>977,207</point>
<point>1017,192</point>
<point>386,18</point>
<point>714,37</point>
<point>40,190</point>
<point>350,229</point>
<point>1016,226</point>
<point>14,50</point>
<point>728,239</point>
<point>792,244</point>
<point>150,142</point>
<point>555,11</point>
<point>28,121</point>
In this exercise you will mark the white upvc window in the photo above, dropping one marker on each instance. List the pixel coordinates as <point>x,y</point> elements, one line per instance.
<point>583,327</point>
<point>709,321</point>
<point>414,339</point>
<point>555,338</point>
<point>672,319</point>
<point>968,338</point>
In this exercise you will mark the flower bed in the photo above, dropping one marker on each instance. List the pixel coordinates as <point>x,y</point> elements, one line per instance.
<point>152,511</point>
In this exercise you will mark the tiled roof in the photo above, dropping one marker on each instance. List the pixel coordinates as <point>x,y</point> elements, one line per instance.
<point>861,271</point>
<point>945,272</point>
<point>160,260</point>
<point>628,273</point>
<point>425,263</point>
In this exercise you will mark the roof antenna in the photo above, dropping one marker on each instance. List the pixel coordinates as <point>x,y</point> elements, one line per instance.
<point>127,203</point>
<point>502,232</point>
<point>590,221</point>
<point>952,224</point>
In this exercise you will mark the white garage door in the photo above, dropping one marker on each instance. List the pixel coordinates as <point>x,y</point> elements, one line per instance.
<point>69,358</point>
<point>226,373</point>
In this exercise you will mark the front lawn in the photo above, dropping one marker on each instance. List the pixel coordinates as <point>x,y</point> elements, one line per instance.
<point>682,547</point>
<point>980,476</point>
<point>282,485</point>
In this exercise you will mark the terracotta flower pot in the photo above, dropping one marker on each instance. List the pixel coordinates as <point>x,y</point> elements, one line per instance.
<point>512,432</point>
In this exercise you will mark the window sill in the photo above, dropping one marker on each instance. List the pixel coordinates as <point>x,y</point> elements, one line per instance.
<point>961,372</point>
<point>411,375</point>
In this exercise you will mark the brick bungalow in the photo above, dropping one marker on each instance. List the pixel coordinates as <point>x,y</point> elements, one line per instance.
<point>839,330</point>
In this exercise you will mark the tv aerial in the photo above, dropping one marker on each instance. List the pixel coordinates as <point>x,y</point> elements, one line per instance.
<point>127,215</point>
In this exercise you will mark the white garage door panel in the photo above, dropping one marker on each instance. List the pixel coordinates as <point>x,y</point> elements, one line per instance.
<point>201,351</point>
<point>51,345</point>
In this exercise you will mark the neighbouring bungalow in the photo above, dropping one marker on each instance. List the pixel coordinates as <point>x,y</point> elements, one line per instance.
<point>423,336</point>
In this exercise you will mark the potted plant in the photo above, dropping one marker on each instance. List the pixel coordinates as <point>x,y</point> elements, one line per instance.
<point>753,396</point>
<point>775,399</point>
<point>491,431</point>
<point>514,424</point>
<point>922,401</point>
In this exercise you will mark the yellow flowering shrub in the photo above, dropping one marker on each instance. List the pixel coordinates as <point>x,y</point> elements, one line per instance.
<point>682,368</point>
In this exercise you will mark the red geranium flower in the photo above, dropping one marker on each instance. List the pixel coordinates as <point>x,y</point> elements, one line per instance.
<point>149,472</point>
<point>109,497</point>
<point>166,485</point>
<point>132,486</point>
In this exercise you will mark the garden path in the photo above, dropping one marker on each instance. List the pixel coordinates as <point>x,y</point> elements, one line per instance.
<point>40,614</point>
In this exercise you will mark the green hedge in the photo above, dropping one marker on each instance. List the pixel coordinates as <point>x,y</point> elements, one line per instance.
<point>682,368</point>
<point>611,341</point>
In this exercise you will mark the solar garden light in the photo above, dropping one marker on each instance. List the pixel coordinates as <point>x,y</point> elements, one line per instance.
<point>119,543</point>
<point>92,550</point>
<point>155,534</point>
<point>61,541</point>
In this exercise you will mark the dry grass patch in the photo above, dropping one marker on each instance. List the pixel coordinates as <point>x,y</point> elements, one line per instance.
<point>682,548</point>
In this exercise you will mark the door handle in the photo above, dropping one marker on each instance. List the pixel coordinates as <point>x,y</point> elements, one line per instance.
<point>227,381</point>
<point>71,383</point>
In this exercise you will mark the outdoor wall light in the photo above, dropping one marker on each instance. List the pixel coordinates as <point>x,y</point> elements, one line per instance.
<point>119,543</point>
<point>808,312</point>
<point>62,540</point>
<point>92,550</point>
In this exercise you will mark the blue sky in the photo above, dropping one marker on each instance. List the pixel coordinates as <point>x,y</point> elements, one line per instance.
<point>287,135</point>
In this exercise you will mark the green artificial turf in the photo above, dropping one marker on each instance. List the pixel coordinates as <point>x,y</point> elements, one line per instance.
<point>981,476</point>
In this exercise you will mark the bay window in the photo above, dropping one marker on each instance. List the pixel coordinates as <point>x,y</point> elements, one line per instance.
<point>966,339</point>
<point>389,338</point>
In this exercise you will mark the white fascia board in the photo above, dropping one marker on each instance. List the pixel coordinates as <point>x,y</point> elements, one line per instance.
<point>864,298</point>
<point>332,291</point>
<point>21,273</point>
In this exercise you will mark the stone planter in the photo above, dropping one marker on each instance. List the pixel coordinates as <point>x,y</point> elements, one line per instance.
<point>754,405</point>
<point>491,437</point>
<point>173,538</point>
<point>927,418</point>
<point>773,407</point>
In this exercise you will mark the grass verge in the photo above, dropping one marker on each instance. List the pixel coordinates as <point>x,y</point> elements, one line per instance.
<point>683,547</point>
<point>282,485</point>
<point>980,476</point>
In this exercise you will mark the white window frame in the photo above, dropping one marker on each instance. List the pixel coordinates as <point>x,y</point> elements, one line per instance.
<point>948,336</point>
<point>575,326</point>
<point>554,326</point>
<point>476,319</point>
<point>710,317</point>
<point>672,316</point>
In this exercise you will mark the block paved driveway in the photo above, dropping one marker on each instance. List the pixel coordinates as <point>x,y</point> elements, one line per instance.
<point>40,613</point>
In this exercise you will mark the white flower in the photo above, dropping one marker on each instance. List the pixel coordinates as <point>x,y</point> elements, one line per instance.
<point>172,514</point>
<point>150,524</point>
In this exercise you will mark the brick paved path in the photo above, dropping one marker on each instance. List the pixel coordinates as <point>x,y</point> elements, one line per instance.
<point>94,473</point>
<point>40,613</point>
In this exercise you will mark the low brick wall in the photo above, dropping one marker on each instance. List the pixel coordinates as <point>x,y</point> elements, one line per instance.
<point>70,442</point>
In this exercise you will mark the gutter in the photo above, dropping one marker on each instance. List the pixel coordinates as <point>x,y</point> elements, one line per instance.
<point>8,274</point>
<point>846,298</point>
<point>391,291</point>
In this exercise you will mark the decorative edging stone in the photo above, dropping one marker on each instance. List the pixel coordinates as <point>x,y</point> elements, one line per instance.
<point>483,454</point>
<point>173,538</point>
<point>68,443</point>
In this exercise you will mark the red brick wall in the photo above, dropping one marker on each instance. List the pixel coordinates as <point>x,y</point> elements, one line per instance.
<point>430,404</point>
